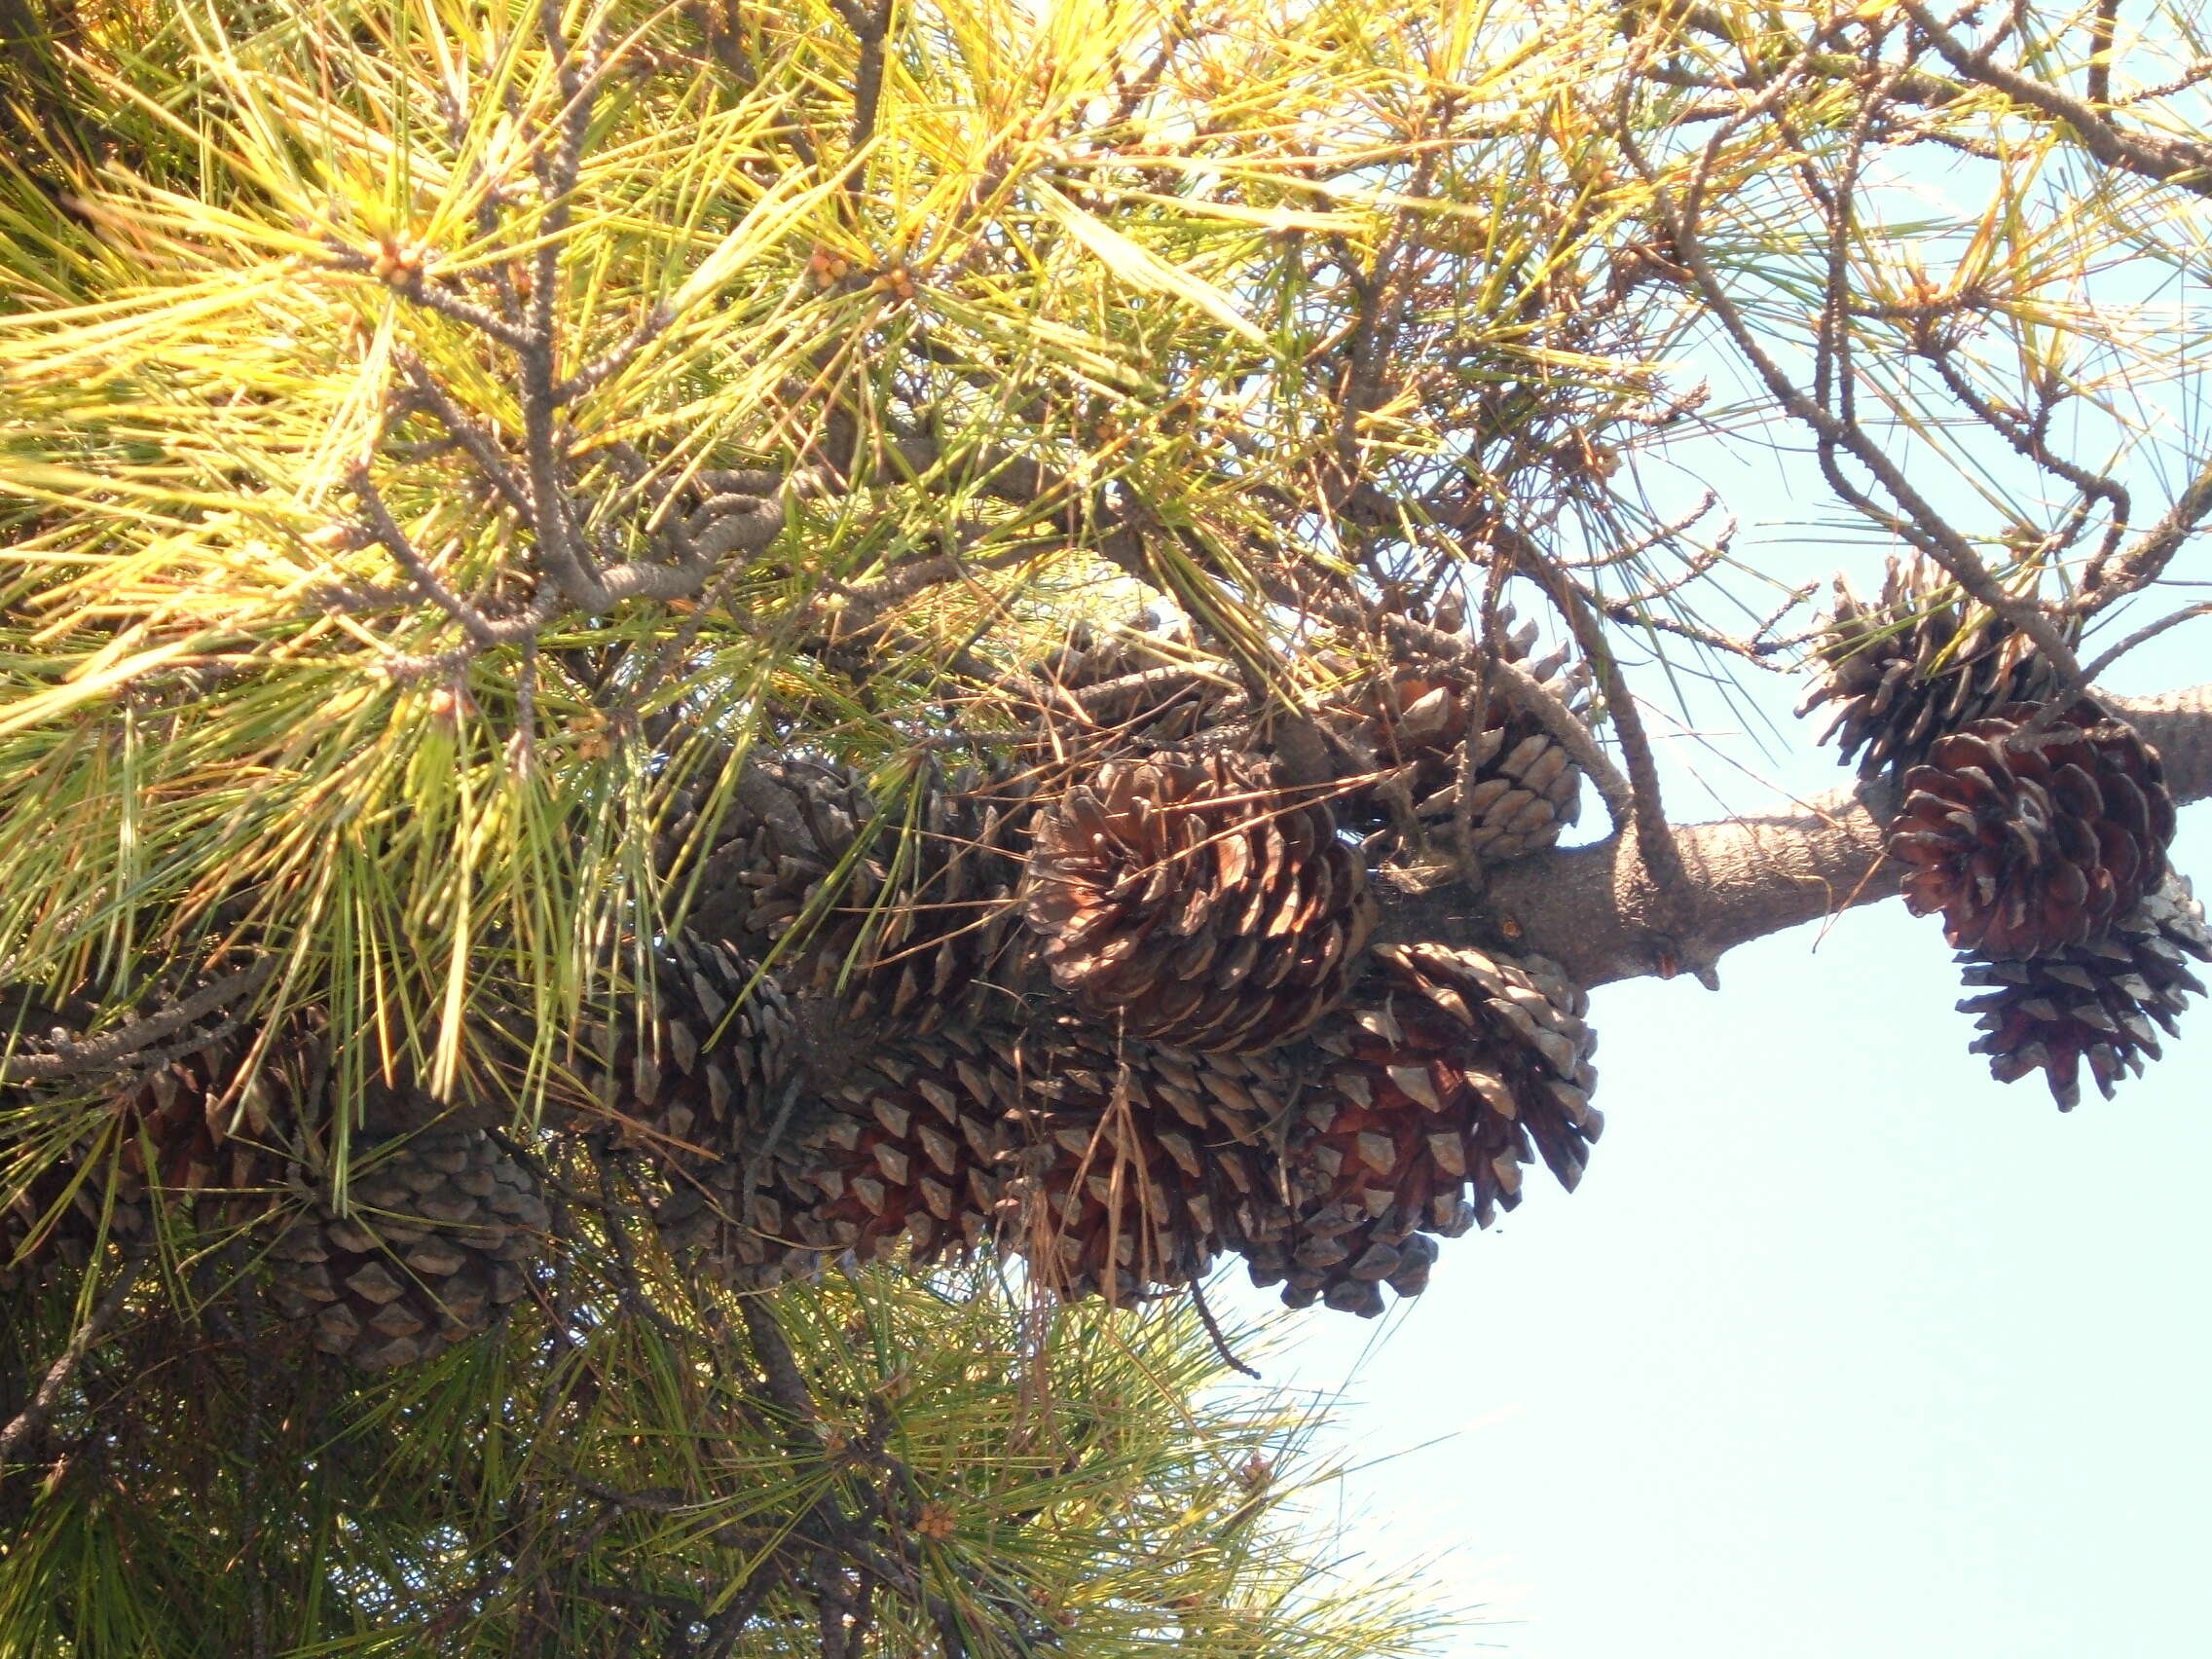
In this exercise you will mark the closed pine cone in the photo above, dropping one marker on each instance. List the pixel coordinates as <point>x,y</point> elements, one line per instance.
<point>1435,1089</point>
<point>900,1161</point>
<point>441,1225</point>
<point>699,1092</point>
<point>743,1220</point>
<point>904,909</point>
<point>709,1065</point>
<point>1912,668</point>
<point>2029,845</point>
<point>907,1154</point>
<point>2104,1002</point>
<point>1135,1168</point>
<point>1417,724</point>
<point>1166,692</point>
<point>1188,902</point>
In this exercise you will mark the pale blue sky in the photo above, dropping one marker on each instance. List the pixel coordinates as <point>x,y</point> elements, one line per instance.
<point>1842,1349</point>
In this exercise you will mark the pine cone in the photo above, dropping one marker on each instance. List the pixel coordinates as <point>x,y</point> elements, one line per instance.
<point>1453,1063</point>
<point>1188,903</point>
<point>440,1227</point>
<point>1153,707</point>
<point>715,843</point>
<point>706,1075</point>
<point>1136,1166</point>
<point>909,1151</point>
<point>2029,845</point>
<point>1912,668</point>
<point>904,910</point>
<point>701,1096</point>
<point>1417,723</point>
<point>188,1137</point>
<point>741,1221</point>
<point>2104,1002</point>
<point>900,1160</point>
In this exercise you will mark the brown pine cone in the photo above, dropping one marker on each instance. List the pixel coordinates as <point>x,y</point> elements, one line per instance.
<point>1453,1063</point>
<point>904,909</point>
<point>743,1220</point>
<point>2104,1002</point>
<point>1191,903</point>
<point>908,1151</point>
<point>1166,692</point>
<point>438,1231</point>
<point>700,1092</point>
<point>1134,1166</point>
<point>1912,668</point>
<point>706,1071</point>
<point>187,1136</point>
<point>743,844</point>
<point>900,1162</point>
<point>1417,723</point>
<point>2029,845</point>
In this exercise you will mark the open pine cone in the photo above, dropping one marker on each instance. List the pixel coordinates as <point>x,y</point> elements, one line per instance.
<point>1417,723</point>
<point>2029,845</point>
<point>438,1229</point>
<point>1435,1087</point>
<point>2104,1002</point>
<point>1909,668</point>
<point>1189,902</point>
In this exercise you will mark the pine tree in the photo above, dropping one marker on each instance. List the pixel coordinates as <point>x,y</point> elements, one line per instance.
<point>729,730</point>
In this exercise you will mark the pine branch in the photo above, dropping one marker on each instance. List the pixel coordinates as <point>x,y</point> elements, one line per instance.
<point>1594,911</point>
<point>2176,162</point>
<point>118,1047</point>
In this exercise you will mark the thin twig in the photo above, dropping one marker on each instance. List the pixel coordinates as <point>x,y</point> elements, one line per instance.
<point>872,30</point>
<point>1916,519</point>
<point>2141,636</point>
<point>100,1053</point>
<point>2170,161</point>
<point>617,358</point>
<point>405,554</point>
<point>1655,844</point>
<point>482,447</point>
<point>418,291</point>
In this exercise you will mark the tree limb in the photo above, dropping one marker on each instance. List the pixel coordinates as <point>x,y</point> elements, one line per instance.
<point>1596,913</point>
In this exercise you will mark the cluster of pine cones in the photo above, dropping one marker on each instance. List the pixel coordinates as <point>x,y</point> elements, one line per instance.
<point>2037,827</point>
<point>432,1235</point>
<point>1110,1007</point>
